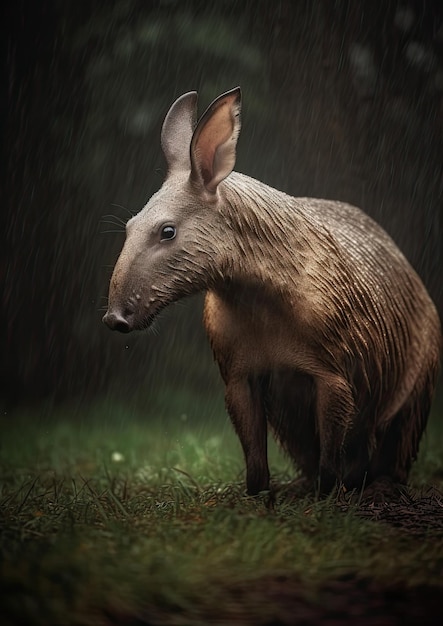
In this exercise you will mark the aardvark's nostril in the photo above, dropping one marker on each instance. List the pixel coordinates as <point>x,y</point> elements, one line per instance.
<point>116,321</point>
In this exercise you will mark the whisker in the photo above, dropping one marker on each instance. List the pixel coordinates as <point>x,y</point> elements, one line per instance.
<point>154,329</point>
<point>120,206</point>
<point>113,218</point>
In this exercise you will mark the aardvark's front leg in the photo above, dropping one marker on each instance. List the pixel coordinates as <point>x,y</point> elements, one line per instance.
<point>244,405</point>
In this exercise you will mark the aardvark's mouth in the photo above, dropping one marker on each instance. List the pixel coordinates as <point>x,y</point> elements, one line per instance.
<point>127,319</point>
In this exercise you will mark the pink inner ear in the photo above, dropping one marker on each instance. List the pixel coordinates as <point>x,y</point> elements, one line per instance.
<point>213,134</point>
<point>206,154</point>
<point>214,141</point>
<point>206,175</point>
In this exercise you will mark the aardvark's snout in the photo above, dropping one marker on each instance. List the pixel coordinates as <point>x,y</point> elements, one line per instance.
<point>115,320</point>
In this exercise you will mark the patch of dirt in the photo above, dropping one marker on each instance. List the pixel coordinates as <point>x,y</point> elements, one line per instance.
<point>418,512</point>
<point>282,601</point>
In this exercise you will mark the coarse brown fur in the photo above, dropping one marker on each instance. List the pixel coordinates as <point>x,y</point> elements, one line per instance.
<point>321,328</point>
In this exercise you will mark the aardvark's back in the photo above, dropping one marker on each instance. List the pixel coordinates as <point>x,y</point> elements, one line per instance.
<point>333,330</point>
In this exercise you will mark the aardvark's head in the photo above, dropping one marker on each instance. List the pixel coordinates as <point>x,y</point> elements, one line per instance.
<point>175,246</point>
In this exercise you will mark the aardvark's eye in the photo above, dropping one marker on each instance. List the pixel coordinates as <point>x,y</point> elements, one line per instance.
<point>168,232</point>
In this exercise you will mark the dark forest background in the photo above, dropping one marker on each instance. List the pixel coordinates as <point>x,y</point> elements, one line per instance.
<point>342,99</point>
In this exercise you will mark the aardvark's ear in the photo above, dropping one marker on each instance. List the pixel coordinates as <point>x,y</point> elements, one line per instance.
<point>214,140</point>
<point>177,132</point>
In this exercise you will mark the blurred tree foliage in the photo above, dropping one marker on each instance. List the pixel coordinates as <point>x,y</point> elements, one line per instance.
<point>341,99</point>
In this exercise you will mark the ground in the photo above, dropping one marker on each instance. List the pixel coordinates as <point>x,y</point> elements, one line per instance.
<point>130,523</point>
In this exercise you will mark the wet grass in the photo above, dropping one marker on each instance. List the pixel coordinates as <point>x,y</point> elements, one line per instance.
<point>126,521</point>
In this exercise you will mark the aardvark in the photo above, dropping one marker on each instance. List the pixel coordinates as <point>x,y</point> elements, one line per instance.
<point>321,328</point>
